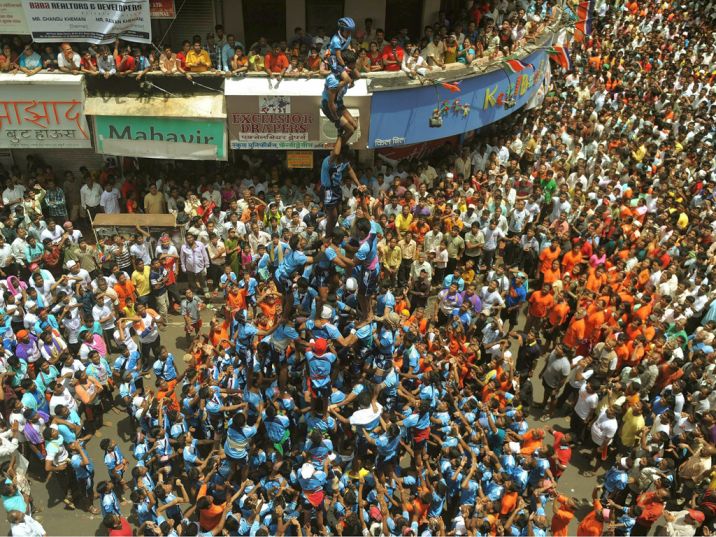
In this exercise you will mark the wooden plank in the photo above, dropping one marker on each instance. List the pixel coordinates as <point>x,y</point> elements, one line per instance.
<point>134,219</point>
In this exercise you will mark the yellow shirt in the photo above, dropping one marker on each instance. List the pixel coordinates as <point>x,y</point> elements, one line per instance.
<point>402,223</point>
<point>141,281</point>
<point>198,62</point>
<point>256,62</point>
<point>631,427</point>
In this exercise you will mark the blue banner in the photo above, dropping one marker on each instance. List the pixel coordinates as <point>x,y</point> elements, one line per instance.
<point>403,117</point>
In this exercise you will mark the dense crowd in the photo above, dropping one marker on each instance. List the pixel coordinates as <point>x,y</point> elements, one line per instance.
<point>368,367</point>
<point>485,31</point>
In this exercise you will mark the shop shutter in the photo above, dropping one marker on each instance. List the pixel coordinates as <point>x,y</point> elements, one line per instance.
<point>61,160</point>
<point>197,17</point>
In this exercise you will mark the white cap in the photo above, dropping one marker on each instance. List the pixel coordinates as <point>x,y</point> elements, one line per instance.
<point>486,311</point>
<point>71,264</point>
<point>307,470</point>
<point>351,284</point>
<point>326,312</point>
<point>30,304</point>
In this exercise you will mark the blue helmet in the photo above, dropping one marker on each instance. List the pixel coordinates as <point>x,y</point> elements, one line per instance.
<point>346,23</point>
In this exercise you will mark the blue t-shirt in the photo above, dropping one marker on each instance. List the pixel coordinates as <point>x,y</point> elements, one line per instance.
<point>236,445</point>
<point>319,368</point>
<point>338,42</point>
<point>332,83</point>
<point>276,427</point>
<point>332,172</point>
<point>290,264</point>
<point>368,251</point>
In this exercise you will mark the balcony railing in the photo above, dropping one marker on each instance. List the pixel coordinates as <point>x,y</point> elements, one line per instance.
<point>156,82</point>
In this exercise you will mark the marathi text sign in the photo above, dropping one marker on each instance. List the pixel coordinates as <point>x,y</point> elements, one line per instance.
<point>12,17</point>
<point>162,9</point>
<point>38,116</point>
<point>299,159</point>
<point>90,22</point>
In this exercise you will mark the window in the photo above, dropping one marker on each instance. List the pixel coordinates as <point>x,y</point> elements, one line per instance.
<point>322,14</point>
<point>264,18</point>
<point>404,14</point>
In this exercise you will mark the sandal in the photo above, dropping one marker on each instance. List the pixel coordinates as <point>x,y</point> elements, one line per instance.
<point>69,505</point>
<point>93,510</point>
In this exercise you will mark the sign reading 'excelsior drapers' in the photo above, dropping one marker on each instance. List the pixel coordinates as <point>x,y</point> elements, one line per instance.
<point>88,21</point>
<point>42,115</point>
<point>289,115</point>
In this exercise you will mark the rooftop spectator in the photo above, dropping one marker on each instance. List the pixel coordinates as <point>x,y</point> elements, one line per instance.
<point>197,59</point>
<point>68,61</point>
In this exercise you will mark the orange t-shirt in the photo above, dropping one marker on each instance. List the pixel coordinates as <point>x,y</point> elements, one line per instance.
<point>550,275</point>
<point>590,526</point>
<point>562,517</point>
<point>540,303</point>
<point>546,256</point>
<point>530,442</point>
<point>210,518</point>
<point>124,291</point>
<point>269,310</point>
<point>509,501</point>
<point>558,314</point>
<point>570,260</point>
<point>575,333</point>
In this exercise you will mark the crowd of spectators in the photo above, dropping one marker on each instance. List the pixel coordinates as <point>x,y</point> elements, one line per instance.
<point>571,246</point>
<point>480,32</point>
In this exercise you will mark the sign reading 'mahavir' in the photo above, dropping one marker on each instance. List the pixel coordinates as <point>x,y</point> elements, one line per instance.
<point>206,132</point>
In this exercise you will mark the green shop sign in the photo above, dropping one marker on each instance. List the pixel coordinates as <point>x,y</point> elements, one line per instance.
<point>161,137</point>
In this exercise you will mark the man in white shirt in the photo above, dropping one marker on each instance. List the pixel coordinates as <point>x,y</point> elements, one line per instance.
<point>90,195</point>
<point>6,256</point>
<point>68,61</point>
<point>14,192</point>
<point>22,525</point>
<point>583,410</point>
<point>52,232</point>
<point>109,200</point>
<point>603,431</point>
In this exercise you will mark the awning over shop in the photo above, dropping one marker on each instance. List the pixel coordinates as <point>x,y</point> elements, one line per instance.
<point>194,106</point>
<point>287,87</point>
<point>187,128</point>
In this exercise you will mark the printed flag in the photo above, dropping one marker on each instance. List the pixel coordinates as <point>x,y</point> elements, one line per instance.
<point>516,66</point>
<point>583,27</point>
<point>560,54</point>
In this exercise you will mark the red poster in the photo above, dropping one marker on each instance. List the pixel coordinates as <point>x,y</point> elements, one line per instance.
<point>162,9</point>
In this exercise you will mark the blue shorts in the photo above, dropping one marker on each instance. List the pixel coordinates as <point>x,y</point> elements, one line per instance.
<point>367,280</point>
<point>336,119</point>
<point>320,277</point>
<point>335,67</point>
<point>282,284</point>
<point>331,196</point>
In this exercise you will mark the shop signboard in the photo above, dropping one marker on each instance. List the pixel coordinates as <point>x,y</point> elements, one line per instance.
<point>299,159</point>
<point>88,22</point>
<point>44,111</point>
<point>161,137</point>
<point>12,18</point>
<point>288,115</point>
<point>162,9</point>
<point>434,111</point>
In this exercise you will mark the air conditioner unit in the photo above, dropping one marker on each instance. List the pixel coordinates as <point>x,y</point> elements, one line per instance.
<point>328,131</point>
